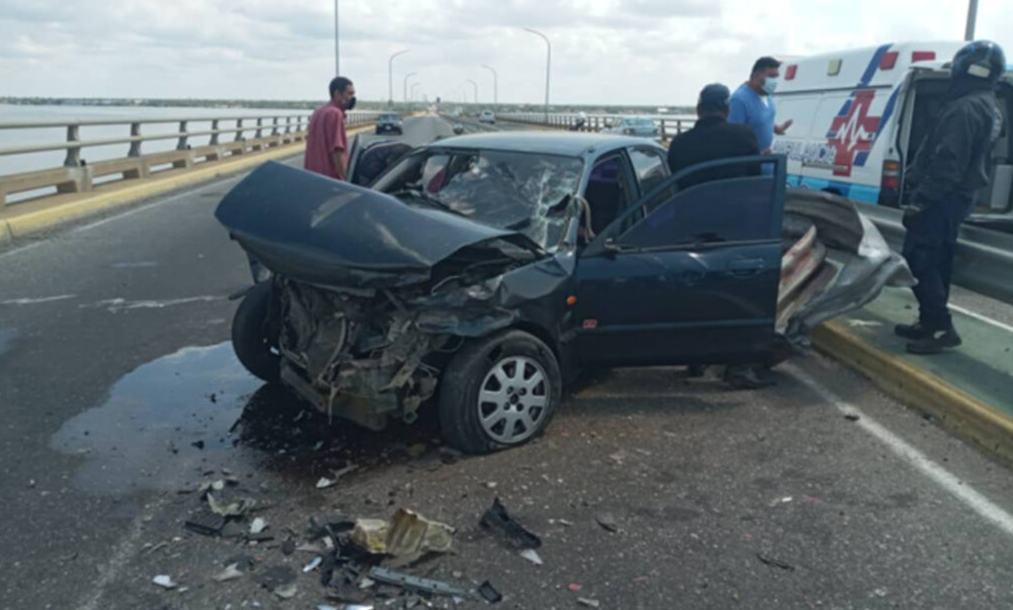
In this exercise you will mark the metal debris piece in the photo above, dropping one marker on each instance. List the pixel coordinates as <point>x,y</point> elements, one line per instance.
<point>206,525</point>
<point>411,536</point>
<point>149,551</point>
<point>590,603</point>
<point>313,565</point>
<point>286,591</point>
<point>608,522</point>
<point>367,583</point>
<point>258,525</point>
<point>489,593</point>
<point>324,483</point>
<point>532,556</point>
<point>231,572</point>
<point>165,581</point>
<point>497,518</point>
<point>414,583</point>
<point>775,562</point>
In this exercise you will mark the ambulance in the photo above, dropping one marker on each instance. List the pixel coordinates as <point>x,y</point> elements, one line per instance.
<point>860,115</point>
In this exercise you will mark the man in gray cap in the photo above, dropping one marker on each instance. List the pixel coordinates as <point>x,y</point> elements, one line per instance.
<point>712,138</point>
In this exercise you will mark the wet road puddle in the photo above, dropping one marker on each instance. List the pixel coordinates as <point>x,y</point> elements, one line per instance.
<point>184,417</point>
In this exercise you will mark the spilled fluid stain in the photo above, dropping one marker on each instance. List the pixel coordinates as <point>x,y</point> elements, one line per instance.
<point>185,417</point>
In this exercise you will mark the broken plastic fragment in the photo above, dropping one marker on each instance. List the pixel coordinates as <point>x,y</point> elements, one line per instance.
<point>235,509</point>
<point>489,593</point>
<point>165,581</point>
<point>497,518</point>
<point>324,483</point>
<point>590,603</point>
<point>312,565</point>
<point>258,526</point>
<point>532,556</point>
<point>371,535</point>
<point>206,525</point>
<point>286,591</point>
<point>231,572</point>
<point>411,536</point>
<point>608,522</point>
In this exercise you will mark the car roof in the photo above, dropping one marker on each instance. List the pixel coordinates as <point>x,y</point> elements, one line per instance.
<point>545,142</point>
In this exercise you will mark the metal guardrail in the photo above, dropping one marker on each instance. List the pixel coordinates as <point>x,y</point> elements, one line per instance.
<point>669,125</point>
<point>77,175</point>
<point>983,261</point>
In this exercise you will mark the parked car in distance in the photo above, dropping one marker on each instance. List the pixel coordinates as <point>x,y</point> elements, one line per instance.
<point>487,117</point>
<point>635,126</point>
<point>389,123</point>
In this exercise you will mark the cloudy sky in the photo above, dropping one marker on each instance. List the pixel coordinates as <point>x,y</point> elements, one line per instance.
<point>657,52</point>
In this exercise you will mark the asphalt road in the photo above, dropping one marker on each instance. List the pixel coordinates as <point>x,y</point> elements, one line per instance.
<point>118,391</point>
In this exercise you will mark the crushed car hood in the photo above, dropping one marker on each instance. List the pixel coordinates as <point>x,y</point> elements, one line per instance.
<point>318,230</point>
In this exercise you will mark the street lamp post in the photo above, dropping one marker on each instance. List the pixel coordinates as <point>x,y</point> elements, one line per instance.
<point>972,17</point>
<point>337,49</point>
<point>390,77</point>
<point>495,84</point>
<point>548,67</point>
<point>406,77</point>
<point>475,85</point>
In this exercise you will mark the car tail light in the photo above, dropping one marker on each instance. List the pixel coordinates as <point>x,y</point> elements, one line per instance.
<point>891,175</point>
<point>789,74</point>
<point>888,61</point>
<point>923,56</point>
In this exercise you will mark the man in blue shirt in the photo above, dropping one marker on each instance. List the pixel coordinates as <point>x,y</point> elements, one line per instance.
<point>753,103</point>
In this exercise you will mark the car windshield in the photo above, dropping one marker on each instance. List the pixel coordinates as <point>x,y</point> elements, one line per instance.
<point>388,117</point>
<point>642,122</point>
<point>525,192</point>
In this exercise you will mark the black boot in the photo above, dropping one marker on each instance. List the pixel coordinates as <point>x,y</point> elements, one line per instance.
<point>935,342</point>
<point>914,332</point>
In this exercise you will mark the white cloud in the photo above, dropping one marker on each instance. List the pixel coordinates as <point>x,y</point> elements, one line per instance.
<point>604,51</point>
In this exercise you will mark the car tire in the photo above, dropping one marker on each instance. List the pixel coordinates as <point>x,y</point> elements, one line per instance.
<point>254,336</point>
<point>468,419</point>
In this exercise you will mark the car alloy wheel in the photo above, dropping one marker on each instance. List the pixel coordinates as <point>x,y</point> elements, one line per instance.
<point>512,400</point>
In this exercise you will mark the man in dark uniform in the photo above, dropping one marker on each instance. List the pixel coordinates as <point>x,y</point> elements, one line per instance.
<point>712,138</point>
<point>951,165</point>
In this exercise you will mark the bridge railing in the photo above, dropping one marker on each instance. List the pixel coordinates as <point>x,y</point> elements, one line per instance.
<point>198,140</point>
<point>669,125</point>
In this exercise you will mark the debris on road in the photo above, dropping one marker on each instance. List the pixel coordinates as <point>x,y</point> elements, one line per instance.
<point>370,535</point>
<point>275,577</point>
<point>590,603</point>
<point>852,417</point>
<point>231,572</point>
<point>416,584</point>
<point>407,538</point>
<point>235,509</point>
<point>775,562</point>
<point>288,547</point>
<point>165,581</point>
<point>497,519</point>
<point>312,565</point>
<point>777,501</point>
<point>574,587</point>
<point>608,522</point>
<point>532,556</point>
<point>880,592</point>
<point>206,525</point>
<point>258,526</point>
<point>286,591</point>
<point>489,593</point>
<point>324,483</point>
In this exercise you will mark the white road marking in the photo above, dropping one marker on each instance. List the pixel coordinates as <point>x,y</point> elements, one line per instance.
<point>942,477</point>
<point>120,304</point>
<point>25,301</point>
<point>985,319</point>
<point>23,248</point>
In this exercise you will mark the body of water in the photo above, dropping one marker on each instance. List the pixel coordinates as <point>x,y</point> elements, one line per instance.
<point>12,164</point>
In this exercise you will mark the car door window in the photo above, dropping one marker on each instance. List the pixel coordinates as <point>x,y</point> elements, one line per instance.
<point>651,168</point>
<point>608,191</point>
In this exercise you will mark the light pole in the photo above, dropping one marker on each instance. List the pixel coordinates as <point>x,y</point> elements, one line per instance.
<point>495,84</point>
<point>406,77</point>
<point>390,77</point>
<point>337,48</point>
<point>972,17</point>
<point>548,67</point>
<point>475,85</point>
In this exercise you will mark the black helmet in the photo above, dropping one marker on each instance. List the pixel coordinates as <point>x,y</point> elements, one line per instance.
<point>980,59</point>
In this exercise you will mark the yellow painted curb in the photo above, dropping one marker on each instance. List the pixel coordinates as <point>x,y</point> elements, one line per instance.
<point>43,220</point>
<point>957,411</point>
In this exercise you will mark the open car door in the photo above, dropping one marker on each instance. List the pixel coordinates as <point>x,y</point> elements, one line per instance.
<point>367,161</point>
<point>687,275</point>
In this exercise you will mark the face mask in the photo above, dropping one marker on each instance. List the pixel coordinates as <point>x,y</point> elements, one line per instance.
<point>770,85</point>
<point>350,104</point>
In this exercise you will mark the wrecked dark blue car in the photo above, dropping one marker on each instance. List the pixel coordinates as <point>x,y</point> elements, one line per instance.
<point>482,271</point>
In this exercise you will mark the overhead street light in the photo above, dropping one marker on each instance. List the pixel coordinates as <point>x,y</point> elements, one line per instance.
<point>390,77</point>
<point>972,17</point>
<point>495,84</point>
<point>475,85</point>
<point>548,67</point>
<point>406,77</point>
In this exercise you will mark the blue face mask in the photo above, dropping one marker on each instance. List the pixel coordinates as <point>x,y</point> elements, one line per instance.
<point>770,85</point>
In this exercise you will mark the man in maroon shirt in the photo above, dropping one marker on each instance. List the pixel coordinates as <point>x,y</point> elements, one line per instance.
<point>326,143</point>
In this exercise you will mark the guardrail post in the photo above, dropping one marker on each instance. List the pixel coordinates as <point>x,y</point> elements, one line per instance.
<point>288,125</point>
<point>135,146</point>
<point>274,130</point>
<point>73,158</point>
<point>260,123</point>
<point>181,144</point>
<point>239,130</point>
<point>214,136</point>
<point>664,133</point>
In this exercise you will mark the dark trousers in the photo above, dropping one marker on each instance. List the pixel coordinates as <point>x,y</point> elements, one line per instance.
<point>932,266</point>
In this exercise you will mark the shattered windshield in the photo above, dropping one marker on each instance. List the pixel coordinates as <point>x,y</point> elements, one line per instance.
<point>524,192</point>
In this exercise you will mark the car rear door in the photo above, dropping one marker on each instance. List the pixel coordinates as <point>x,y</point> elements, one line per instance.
<point>693,280</point>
